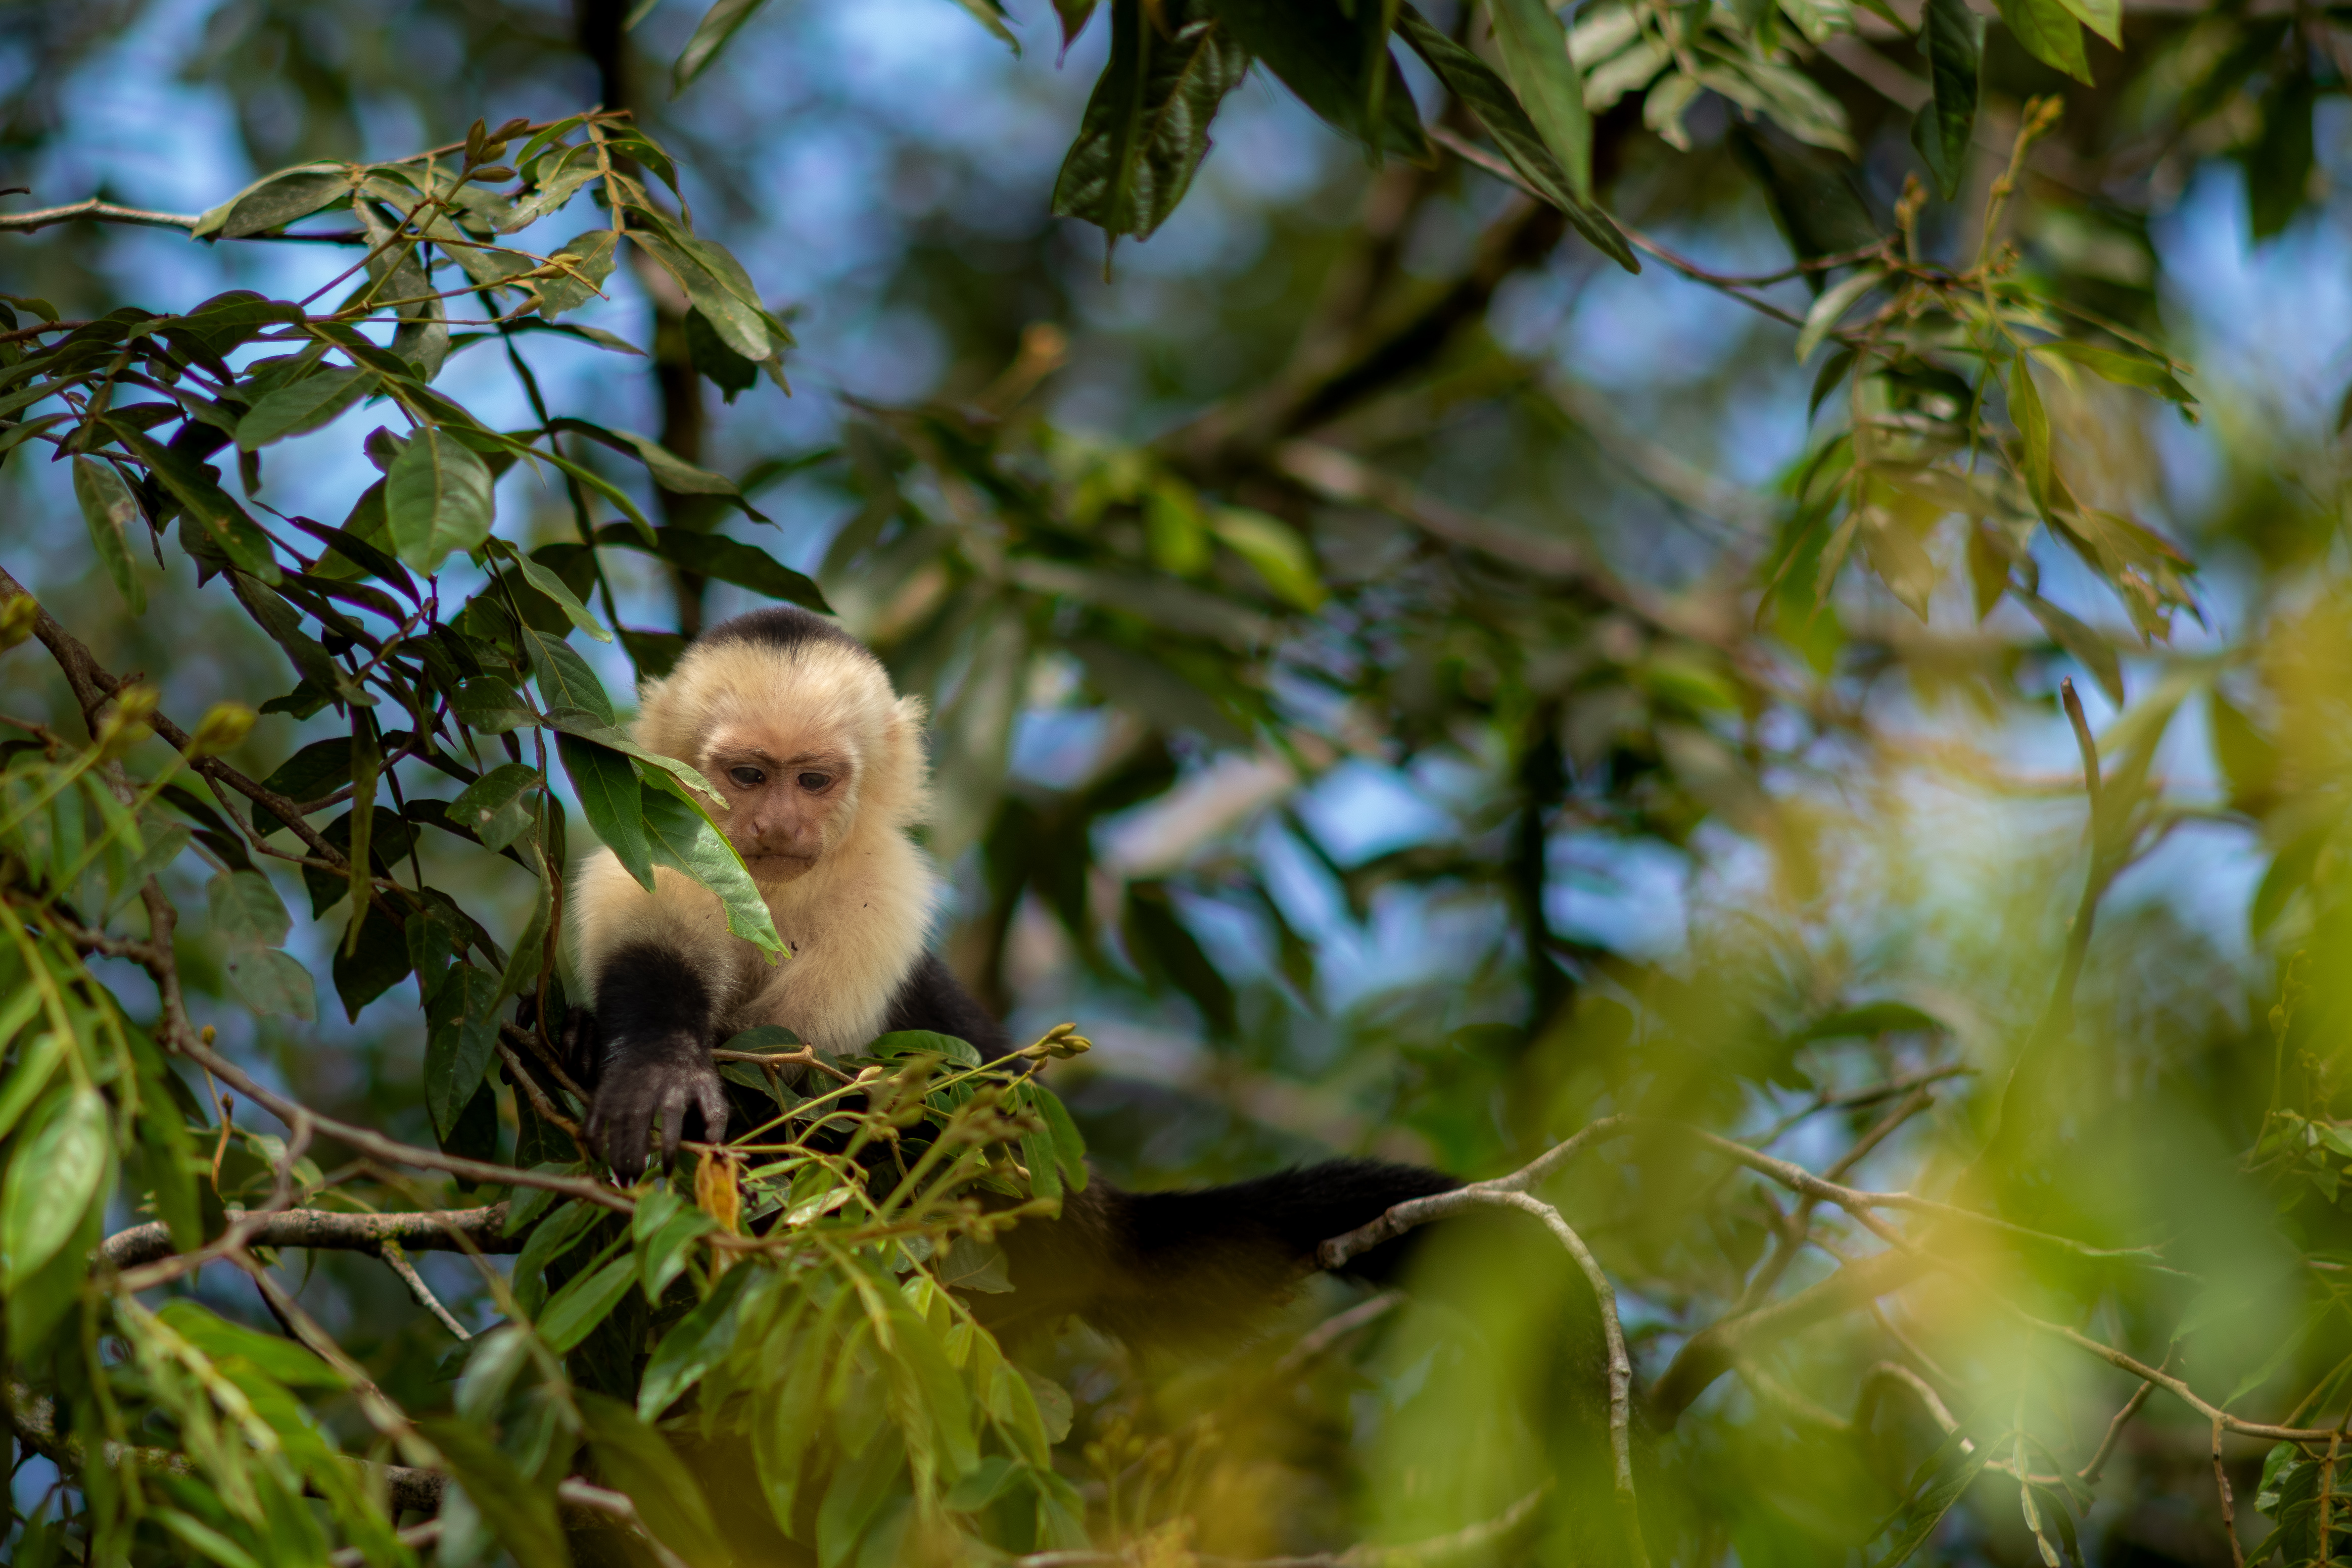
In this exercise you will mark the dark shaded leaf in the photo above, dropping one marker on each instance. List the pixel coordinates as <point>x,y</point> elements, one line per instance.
<point>378,961</point>
<point>1314,48</point>
<point>1947,122</point>
<point>462,1030</point>
<point>710,35</point>
<point>275,200</point>
<point>1535,51</point>
<point>108,509</point>
<point>2049,33</point>
<point>303,406</point>
<point>1147,125</point>
<point>606,785</point>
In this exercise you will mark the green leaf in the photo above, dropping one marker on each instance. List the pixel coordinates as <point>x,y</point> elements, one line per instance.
<point>1145,126</point>
<point>554,1236</point>
<point>1872,1020</point>
<point>1314,46</point>
<point>521,1514</point>
<point>607,786</point>
<point>697,265</point>
<point>1946,1475</point>
<point>35,1063</point>
<point>664,1255</point>
<point>1274,551</point>
<point>488,703</point>
<point>696,1344</point>
<point>281,1359</point>
<point>682,838</point>
<point>1832,307</point>
<point>1535,51</point>
<point>302,407</point>
<point>565,678</point>
<point>372,961</point>
<point>1813,197</point>
<point>638,1460</point>
<point>271,980</point>
<point>556,589</point>
<point>494,805</point>
<point>246,909</point>
<point>275,200</point>
<point>2124,368</point>
<point>730,371</point>
<point>1947,122</point>
<point>1074,15</point>
<point>2105,18</point>
<point>585,1300</point>
<point>1069,1147</point>
<point>669,471</point>
<point>728,560</point>
<point>197,489</point>
<point>590,259</point>
<point>109,510</point>
<point>437,499</point>
<point>56,1172</point>
<point>2048,31</point>
<point>2090,649</point>
<point>710,35</point>
<point>2278,164</point>
<point>1489,96</point>
<point>461,1039</point>
<point>2033,430</point>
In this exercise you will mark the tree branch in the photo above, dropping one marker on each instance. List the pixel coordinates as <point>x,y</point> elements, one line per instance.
<point>328,1230</point>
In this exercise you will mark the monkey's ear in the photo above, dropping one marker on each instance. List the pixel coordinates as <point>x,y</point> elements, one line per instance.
<point>907,766</point>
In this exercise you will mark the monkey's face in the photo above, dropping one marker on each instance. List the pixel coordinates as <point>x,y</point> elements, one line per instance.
<point>789,799</point>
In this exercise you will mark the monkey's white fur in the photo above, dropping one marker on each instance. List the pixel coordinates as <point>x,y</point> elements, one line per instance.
<point>858,920</point>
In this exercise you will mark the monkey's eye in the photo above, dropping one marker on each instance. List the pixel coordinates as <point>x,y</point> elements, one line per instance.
<point>812,782</point>
<point>749,778</point>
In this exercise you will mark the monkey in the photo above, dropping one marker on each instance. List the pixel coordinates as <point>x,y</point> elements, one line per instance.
<point>821,764</point>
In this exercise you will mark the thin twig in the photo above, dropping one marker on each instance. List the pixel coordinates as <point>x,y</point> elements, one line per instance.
<point>1331,1330</point>
<point>330,1230</point>
<point>2228,1499</point>
<point>2090,1472</point>
<point>400,1265</point>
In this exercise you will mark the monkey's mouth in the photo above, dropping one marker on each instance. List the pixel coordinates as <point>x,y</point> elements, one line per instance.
<point>778,860</point>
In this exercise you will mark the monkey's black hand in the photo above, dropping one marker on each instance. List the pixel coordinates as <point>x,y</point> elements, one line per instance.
<point>670,1078</point>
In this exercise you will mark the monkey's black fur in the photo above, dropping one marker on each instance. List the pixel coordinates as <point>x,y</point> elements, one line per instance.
<point>781,626</point>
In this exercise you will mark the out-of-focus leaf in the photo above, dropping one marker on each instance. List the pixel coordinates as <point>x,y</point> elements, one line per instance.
<point>55,1175</point>
<point>35,1064</point>
<point>2048,32</point>
<point>730,371</point>
<point>696,1343</point>
<point>637,1460</point>
<point>2278,165</point>
<point>1945,1477</point>
<point>2125,369</point>
<point>2033,429</point>
<point>1872,1020</point>
<point>1274,551</point>
<point>436,500</point>
<point>1147,125</point>
<point>1074,15</point>
<point>2090,649</point>
<point>245,908</point>
<point>271,980</point>
<point>521,1514</point>
<point>710,35</point>
<point>1813,198</point>
<point>109,510</point>
<point>1832,305</point>
<point>1947,122</point>
<point>1535,51</point>
<point>197,489</point>
<point>585,1300</point>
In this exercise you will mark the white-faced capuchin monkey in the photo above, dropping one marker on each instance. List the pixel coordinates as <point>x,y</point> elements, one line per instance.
<point>822,765</point>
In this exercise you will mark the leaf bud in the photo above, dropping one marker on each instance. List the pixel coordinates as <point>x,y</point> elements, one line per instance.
<point>126,726</point>
<point>491,174</point>
<point>222,728</point>
<point>17,618</point>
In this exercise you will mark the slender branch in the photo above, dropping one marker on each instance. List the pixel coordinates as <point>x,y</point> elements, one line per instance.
<point>1331,1330</point>
<point>2090,1472</point>
<point>329,1230</point>
<point>424,1534</point>
<point>1458,1543</point>
<point>98,211</point>
<point>400,1265</point>
<point>2229,1498</point>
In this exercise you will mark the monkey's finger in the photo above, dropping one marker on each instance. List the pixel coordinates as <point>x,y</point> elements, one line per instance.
<point>712,1101</point>
<point>675,1099</point>
<point>632,1126</point>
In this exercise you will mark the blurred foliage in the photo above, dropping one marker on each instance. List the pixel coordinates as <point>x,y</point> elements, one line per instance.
<point>1179,559</point>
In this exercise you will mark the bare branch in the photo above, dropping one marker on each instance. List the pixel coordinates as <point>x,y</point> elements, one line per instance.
<point>400,1265</point>
<point>328,1230</point>
<point>2090,1472</point>
<point>1331,1330</point>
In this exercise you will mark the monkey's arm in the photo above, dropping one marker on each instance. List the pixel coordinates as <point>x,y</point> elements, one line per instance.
<point>661,969</point>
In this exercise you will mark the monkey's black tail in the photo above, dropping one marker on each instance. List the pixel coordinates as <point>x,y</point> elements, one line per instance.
<point>1197,1268</point>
